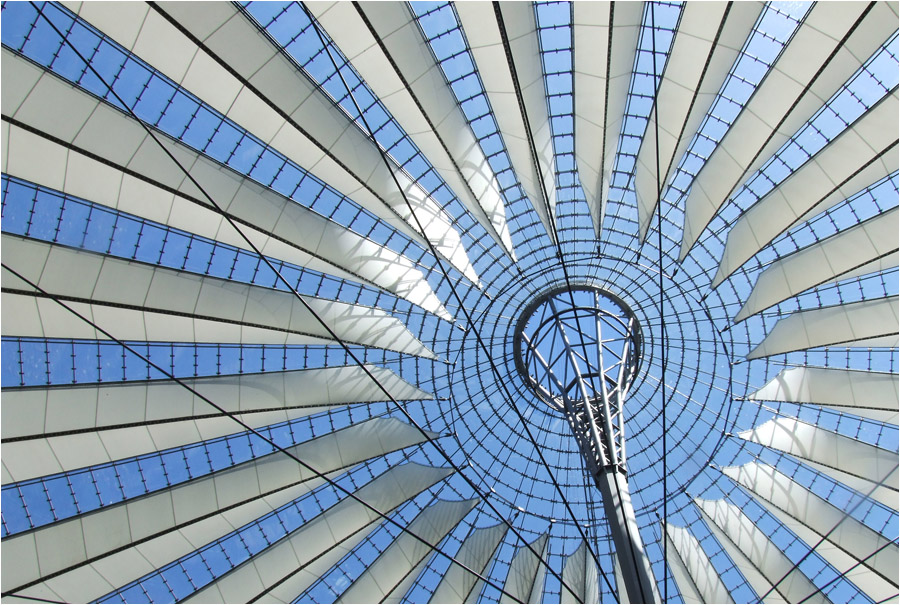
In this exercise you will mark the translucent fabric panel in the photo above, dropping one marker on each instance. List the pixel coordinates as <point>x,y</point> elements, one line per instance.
<point>870,323</point>
<point>385,45</point>
<point>405,553</point>
<point>580,573</point>
<point>682,577</point>
<point>863,153</point>
<point>91,425</point>
<point>767,564</point>
<point>836,454</point>
<point>793,503</point>
<point>696,573</point>
<point>868,247</point>
<point>525,578</point>
<point>830,45</point>
<point>103,575</point>
<point>241,74</point>
<point>872,395</point>
<point>126,289</point>
<point>476,553</point>
<point>708,40</point>
<point>36,411</point>
<point>605,41</point>
<point>276,226</point>
<point>69,544</point>
<point>515,87</point>
<point>278,573</point>
<point>51,96</point>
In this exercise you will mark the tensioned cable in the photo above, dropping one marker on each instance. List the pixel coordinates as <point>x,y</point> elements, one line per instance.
<point>35,599</point>
<point>456,295</point>
<point>271,266</point>
<point>663,343</point>
<point>246,426</point>
<point>842,575</point>
<point>562,262</point>
<point>840,46</point>
<point>370,133</point>
<point>636,244</point>
<point>532,147</point>
<point>845,515</point>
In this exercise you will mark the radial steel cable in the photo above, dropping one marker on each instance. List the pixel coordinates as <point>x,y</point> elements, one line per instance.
<point>460,304</point>
<point>271,266</point>
<point>241,423</point>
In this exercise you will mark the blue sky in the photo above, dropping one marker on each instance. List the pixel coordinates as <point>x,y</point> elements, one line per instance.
<point>480,426</point>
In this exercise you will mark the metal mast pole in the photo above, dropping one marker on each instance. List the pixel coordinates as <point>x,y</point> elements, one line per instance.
<point>595,416</point>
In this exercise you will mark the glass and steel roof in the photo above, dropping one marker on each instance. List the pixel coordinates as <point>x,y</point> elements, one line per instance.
<point>266,266</point>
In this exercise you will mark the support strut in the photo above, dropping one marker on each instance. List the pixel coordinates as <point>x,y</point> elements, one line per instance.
<point>590,389</point>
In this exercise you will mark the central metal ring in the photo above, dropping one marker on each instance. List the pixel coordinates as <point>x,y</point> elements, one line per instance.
<point>577,343</point>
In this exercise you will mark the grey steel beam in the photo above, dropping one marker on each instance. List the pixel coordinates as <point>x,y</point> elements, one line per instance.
<point>595,416</point>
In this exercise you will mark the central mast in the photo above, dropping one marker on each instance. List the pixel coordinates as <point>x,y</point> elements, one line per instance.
<point>580,351</point>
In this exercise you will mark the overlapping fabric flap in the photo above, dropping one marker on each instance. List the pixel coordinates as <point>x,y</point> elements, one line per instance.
<point>395,565</point>
<point>476,553</point>
<point>605,38</point>
<point>768,571</point>
<point>387,48</point>
<point>831,44</point>
<point>872,395</point>
<point>66,546</point>
<point>869,469</point>
<point>580,573</point>
<point>697,579</point>
<point>849,546</point>
<point>707,42</point>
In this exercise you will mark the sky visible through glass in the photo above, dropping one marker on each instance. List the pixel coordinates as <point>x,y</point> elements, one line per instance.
<point>479,418</point>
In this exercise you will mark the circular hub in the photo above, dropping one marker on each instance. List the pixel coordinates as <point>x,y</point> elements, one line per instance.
<point>577,344</point>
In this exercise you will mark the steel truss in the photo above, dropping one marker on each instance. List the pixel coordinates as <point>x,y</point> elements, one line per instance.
<point>581,358</point>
